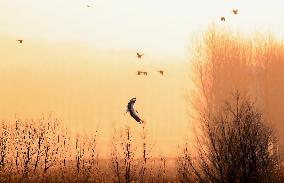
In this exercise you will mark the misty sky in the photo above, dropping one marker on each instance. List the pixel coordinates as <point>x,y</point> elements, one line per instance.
<point>80,64</point>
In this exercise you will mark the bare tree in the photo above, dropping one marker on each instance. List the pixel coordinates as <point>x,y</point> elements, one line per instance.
<point>51,144</point>
<point>122,157</point>
<point>185,171</point>
<point>234,144</point>
<point>224,61</point>
<point>92,167</point>
<point>4,133</point>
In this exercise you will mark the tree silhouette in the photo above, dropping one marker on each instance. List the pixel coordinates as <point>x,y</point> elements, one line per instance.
<point>234,144</point>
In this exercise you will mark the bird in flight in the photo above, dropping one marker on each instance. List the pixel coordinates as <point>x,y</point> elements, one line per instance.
<point>139,55</point>
<point>133,113</point>
<point>20,40</point>
<point>161,72</point>
<point>223,19</point>
<point>142,72</point>
<point>235,11</point>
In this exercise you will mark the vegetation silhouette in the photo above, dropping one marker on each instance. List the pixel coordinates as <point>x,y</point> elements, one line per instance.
<point>233,144</point>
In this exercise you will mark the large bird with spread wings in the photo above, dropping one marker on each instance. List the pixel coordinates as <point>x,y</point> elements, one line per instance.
<point>133,113</point>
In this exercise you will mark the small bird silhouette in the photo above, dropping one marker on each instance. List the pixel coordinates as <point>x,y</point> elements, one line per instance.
<point>161,72</point>
<point>139,55</point>
<point>20,40</point>
<point>142,72</point>
<point>235,11</point>
<point>223,19</point>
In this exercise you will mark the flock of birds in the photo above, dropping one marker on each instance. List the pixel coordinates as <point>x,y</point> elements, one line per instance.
<point>130,107</point>
<point>145,73</point>
<point>235,12</point>
<point>140,55</point>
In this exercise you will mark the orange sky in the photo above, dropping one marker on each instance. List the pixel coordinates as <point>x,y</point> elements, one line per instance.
<point>80,64</point>
<point>89,89</point>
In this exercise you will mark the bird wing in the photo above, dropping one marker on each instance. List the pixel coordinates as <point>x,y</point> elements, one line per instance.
<point>135,116</point>
<point>133,112</point>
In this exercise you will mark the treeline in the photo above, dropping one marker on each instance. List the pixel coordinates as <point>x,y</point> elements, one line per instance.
<point>233,144</point>
<point>43,149</point>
